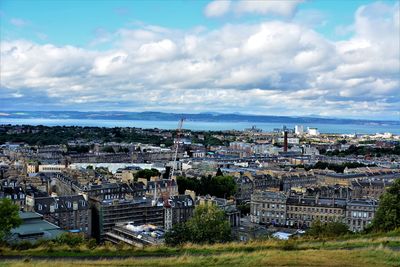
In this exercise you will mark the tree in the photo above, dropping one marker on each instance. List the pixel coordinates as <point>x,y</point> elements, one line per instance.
<point>9,217</point>
<point>219,186</point>
<point>387,216</point>
<point>219,172</point>
<point>223,186</point>
<point>178,235</point>
<point>209,225</point>
<point>108,149</point>
<point>244,209</point>
<point>146,173</point>
<point>330,229</point>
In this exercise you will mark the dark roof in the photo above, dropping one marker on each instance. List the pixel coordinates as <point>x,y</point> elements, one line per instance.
<point>60,204</point>
<point>320,202</point>
<point>34,227</point>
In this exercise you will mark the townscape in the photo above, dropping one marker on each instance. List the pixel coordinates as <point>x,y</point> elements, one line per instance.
<point>268,184</point>
<point>200,133</point>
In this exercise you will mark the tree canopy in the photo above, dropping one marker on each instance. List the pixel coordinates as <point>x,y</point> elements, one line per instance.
<point>146,173</point>
<point>387,217</point>
<point>219,186</point>
<point>208,225</point>
<point>330,229</point>
<point>9,217</point>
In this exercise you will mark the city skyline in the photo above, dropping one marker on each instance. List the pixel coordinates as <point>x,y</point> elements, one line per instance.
<point>292,58</point>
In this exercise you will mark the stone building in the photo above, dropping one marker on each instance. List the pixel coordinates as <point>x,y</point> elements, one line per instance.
<point>369,188</point>
<point>137,211</point>
<point>68,212</point>
<point>359,213</point>
<point>178,209</point>
<point>268,207</point>
<point>244,189</point>
<point>302,211</point>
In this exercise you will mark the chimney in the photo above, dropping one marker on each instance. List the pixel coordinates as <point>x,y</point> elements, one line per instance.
<point>285,142</point>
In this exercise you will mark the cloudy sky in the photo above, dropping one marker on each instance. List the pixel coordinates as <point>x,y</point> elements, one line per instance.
<point>326,58</point>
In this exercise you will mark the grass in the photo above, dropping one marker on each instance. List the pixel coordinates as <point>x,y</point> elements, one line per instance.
<point>361,257</point>
<point>355,250</point>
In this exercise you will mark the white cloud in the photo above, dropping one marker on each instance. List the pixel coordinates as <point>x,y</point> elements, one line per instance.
<point>162,50</point>
<point>270,7</point>
<point>285,8</point>
<point>217,8</point>
<point>260,68</point>
<point>19,22</point>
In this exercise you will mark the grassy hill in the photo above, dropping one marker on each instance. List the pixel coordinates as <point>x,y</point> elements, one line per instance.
<point>361,250</point>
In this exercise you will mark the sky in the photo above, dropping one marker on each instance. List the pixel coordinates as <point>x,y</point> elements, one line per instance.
<point>296,58</point>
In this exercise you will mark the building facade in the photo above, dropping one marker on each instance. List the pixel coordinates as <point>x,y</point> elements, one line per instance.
<point>70,213</point>
<point>267,207</point>
<point>360,212</point>
<point>138,211</point>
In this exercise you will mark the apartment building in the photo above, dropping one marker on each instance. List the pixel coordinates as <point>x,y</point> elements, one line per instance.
<point>68,212</point>
<point>360,212</point>
<point>302,211</point>
<point>268,207</point>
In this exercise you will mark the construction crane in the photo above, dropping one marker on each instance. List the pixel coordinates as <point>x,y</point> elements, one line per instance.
<point>178,135</point>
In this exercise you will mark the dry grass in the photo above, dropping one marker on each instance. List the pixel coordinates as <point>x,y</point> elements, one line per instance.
<point>360,257</point>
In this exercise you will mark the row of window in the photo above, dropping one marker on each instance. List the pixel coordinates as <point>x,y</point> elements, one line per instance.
<point>311,217</point>
<point>273,206</point>
<point>67,204</point>
<point>360,214</point>
<point>321,210</point>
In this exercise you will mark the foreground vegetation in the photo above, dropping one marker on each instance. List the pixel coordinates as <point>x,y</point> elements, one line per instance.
<point>348,250</point>
<point>365,150</point>
<point>362,257</point>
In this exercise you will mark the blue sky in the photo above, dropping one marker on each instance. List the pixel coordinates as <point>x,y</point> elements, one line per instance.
<point>330,58</point>
<point>76,22</point>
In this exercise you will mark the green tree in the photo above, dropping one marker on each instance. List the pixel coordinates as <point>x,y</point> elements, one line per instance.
<point>146,173</point>
<point>9,217</point>
<point>223,186</point>
<point>209,225</point>
<point>178,235</point>
<point>219,172</point>
<point>330,229</point>
<point>219,186</point>
<point>244,209</point>
<point>387,216</point>
<point>108,149</point>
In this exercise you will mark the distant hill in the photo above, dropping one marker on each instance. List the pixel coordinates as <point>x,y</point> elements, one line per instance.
<point>205,117</point>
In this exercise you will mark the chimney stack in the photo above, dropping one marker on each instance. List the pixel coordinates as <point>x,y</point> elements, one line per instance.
<point>285,141</point>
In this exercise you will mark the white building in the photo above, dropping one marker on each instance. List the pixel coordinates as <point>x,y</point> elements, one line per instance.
<point>312,131</point>
<point>310,150</point>
<point>291,140</point>
<point>298,129</point>
<point>51,168</point>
